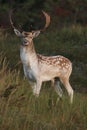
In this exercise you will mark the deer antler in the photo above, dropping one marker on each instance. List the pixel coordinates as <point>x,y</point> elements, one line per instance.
<point>10,15</point>
<point>47,20</point>
<point>45,14</point>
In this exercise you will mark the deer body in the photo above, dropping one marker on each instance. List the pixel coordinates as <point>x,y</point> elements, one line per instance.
<point>39,68</point>
<point>46,68</point>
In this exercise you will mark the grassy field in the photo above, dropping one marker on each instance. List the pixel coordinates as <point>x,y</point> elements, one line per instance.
<point>19,109</point>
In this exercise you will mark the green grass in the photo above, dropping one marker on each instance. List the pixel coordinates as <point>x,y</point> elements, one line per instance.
<point>19,109</point>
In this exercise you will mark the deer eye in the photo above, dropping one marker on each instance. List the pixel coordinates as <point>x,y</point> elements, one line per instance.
<point>26,34</point>
<point>30,36</point>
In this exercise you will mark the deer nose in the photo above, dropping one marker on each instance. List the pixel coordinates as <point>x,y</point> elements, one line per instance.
<point>24,41</point>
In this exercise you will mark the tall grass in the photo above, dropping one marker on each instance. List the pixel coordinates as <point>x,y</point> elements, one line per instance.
<point>19,109</point>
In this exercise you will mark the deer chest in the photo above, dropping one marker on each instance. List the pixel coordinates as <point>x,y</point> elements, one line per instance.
<point>29,74</point>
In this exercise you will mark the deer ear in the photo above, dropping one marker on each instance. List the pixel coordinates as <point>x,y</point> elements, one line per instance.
<point>17,33</point>
<point>35,33</point>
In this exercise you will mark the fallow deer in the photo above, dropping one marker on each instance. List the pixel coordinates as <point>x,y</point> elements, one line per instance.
<point>38,68</point>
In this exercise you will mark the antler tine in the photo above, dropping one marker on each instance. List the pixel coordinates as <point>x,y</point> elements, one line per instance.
<point>47,20</point>
<point>10,14</point>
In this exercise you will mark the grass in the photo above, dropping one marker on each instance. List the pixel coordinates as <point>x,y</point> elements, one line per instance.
<point>19,109</point>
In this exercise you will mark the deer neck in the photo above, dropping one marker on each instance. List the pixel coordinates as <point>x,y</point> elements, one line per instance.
<point>28,54</point>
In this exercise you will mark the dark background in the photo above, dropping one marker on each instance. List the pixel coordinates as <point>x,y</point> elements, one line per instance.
<point>28,12</point>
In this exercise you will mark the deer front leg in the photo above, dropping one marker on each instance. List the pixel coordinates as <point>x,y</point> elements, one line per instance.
<point>37,88</point>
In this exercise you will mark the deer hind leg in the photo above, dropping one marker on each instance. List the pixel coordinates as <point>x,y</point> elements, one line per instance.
<point>65,82</point>
<point>57,87</point>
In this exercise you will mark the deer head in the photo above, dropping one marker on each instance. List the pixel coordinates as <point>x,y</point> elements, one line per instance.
<point>27,37</point>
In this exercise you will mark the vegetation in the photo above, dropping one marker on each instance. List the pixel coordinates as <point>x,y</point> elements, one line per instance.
<point>67,36</point>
